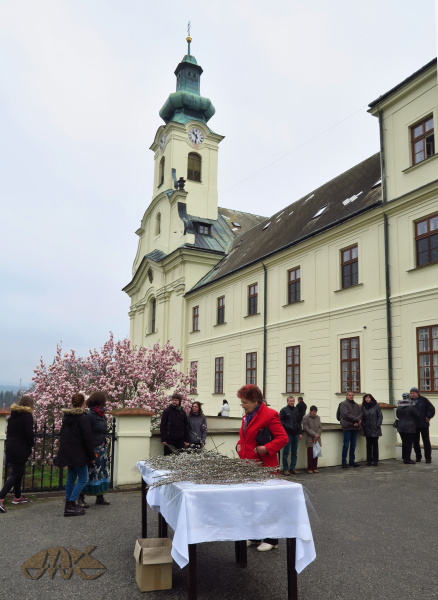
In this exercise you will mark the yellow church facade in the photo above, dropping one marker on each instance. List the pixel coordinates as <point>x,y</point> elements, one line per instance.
<point>336,292</point>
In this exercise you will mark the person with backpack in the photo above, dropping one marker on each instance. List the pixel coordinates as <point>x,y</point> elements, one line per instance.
<point>350,416</point>
<point>426,411</point>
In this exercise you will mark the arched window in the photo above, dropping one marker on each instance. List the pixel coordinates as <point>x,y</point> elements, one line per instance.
<point>158,224</point>
<point>153,314</point>
<point>161,172</point>
<point>194,167</point>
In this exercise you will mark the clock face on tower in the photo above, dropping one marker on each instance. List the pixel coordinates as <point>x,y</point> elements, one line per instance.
<point>196,136</point>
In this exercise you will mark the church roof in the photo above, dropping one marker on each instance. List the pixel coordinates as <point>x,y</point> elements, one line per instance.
<point>342,198</point>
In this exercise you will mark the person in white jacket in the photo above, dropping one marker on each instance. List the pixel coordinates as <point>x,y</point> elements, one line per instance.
<point>225,409</point>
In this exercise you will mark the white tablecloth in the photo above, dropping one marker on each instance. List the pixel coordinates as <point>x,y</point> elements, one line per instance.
<point>212,513</point>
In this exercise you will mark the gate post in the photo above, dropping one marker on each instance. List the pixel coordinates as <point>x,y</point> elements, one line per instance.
<point>3,415</point>
<point>133,437</point>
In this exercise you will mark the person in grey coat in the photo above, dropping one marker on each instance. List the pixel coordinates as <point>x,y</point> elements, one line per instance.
<point>197,426</point>
<point>371,426</point>
<point>408,420</point>
<point>351,415</point>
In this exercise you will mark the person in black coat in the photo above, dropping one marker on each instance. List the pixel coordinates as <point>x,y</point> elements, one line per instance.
<point>19,442</point>
<point>426,410</point>
<point>408,420</point>
<point>372,419</point>
<point>76,451</point>
<point>98,476</point>
<point>174,426</point>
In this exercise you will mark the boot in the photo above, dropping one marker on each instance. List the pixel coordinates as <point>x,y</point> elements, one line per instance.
<point>81,502</point>
<point>71,510</point>
<point>101,500</point>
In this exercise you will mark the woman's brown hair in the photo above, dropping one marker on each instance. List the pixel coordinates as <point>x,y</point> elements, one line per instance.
<point>26,401</point>
<point>96,399</point>
<point>77,400</point>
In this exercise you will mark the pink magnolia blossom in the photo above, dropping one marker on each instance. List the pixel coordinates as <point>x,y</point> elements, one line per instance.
<point>131,377</point>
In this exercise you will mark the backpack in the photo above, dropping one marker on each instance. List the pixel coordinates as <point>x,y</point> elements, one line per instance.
<point>338,412</point>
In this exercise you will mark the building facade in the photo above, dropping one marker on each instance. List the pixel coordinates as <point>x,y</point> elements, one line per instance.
<point>336,292</point>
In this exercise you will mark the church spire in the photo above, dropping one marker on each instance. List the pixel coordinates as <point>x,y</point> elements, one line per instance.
<point>187,104</point>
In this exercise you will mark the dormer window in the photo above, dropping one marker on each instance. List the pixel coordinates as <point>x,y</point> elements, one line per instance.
<point>422,140</point>
<point>194,167</point>
<point>204,228</point>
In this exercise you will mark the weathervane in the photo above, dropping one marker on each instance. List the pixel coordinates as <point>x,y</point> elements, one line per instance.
<point>188,38</point>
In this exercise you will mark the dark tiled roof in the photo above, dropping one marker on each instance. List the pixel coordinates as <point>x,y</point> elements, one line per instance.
<point>345,196</point>
<point>156,255</point>
<point>403,83</point>
<point>240,221</point>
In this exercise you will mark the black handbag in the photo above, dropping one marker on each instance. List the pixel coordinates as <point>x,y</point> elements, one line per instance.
<point>264,436</point>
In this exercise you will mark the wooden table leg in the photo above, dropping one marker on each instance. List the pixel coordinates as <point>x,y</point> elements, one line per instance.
<point>162,526</point>
<point>292,578</point>
<point>144,513</point>
<point>241,553</point>
<point>191,573</point>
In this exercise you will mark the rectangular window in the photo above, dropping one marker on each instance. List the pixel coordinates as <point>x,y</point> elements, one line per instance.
<point>219,375</point>
<point>349,266</point>
<point>294,285</point>
<point>293,369</point>
<point>195,318</point>
<point>221,310</point>
<point>350,365</point>
<point>427,357</point>
<point>426,241</point>
<point>422,140</point>
<point>204,229</point>
<point>153,314</point>
<point>253,292</point>
<point>251,368</point>
<point>194,376</point>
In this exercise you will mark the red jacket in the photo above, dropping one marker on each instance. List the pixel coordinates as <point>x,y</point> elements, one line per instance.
<point>265,417</point>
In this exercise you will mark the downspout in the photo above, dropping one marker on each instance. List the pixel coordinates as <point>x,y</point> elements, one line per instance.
<point>265,319</point>
<point>387,270</point>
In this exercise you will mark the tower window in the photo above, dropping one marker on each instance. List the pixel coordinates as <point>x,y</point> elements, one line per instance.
<point>161,172</point>
<point>194,167</point>
<point>158,224</point>
<point>153,314</point>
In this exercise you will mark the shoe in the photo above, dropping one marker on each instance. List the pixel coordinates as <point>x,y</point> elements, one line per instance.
<point>355,465</point>
<point>264,547</point>
<point>418,459</point>
<point>374,464</point>
<point>345,466</point>
<point>71,510</point>
<point>252,542</point>
<point>369,464</point>
<point>2,506</point>
<point>295,472</point>
<point>316,471</point>
<point>285,472</point>
<point>409,462</point>
<point>310,472</point>
<point>81,502</point>
<point>101,500</point>
<point>428,461</point>
<point>21,500</point>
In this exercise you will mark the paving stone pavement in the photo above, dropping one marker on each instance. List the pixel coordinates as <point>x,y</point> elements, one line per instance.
<point>375,533</point>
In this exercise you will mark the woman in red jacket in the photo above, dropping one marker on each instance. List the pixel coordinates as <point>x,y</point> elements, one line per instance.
<point>258,416</point>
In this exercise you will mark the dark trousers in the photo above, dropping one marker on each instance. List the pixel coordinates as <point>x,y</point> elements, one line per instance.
<point>372,449</point>
<point>350,441</point>
<point>312,463</point>
<point>291,447</point>
<point>426,444</point>
<point>407,441</point>
<point>14,481</point>
<point>177,444</point>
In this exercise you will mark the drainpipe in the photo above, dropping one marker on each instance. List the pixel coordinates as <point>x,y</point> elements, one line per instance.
<point>386,254</point>
<point>265,319</point>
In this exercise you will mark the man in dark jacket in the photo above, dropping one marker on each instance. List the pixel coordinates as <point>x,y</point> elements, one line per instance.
<point>174,426</point>
<point>351,414</point>
<point>426,411</point>
<point>302,406</point>
<point>291,417</point>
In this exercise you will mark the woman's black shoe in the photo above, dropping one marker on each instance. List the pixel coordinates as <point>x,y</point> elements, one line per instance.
<point>81,502</point>
<point>101,500</point>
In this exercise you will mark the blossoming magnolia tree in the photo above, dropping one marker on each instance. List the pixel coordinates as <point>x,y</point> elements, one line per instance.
<point>130,377</point>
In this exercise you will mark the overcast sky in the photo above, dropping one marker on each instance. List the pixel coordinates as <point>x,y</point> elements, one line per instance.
<point>81,85</point>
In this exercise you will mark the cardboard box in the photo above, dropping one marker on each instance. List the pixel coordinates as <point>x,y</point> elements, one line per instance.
<point>153,564</point>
